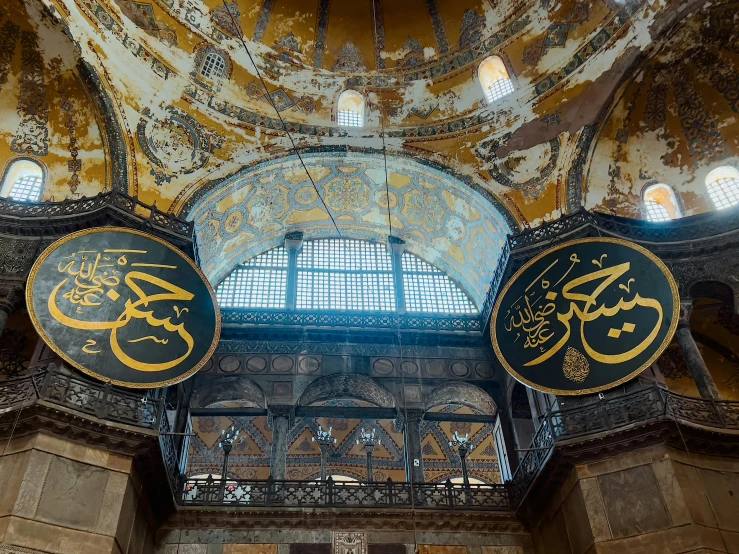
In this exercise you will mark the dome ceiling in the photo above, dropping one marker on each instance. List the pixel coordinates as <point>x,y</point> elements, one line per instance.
<point>169,134</point>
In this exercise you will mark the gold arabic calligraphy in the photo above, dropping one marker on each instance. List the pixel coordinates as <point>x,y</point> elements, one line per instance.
<point>93,272</point>
<point>533,319</point>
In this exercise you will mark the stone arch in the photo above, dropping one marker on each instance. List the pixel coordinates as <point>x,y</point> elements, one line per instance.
<point>356,387</point>
<point>233,388</point>
<point>464,394</point>
<point>713,289</point>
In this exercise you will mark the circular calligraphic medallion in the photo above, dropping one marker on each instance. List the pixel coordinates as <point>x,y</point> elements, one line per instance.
<point>585,316</point>
<point>124,307</point>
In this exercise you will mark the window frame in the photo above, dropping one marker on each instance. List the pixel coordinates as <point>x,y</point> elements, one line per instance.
<point>486,87</point>
<point>11,177</point>
<point>734,176</point>
<point>673,196</point>
<point>359,116</point>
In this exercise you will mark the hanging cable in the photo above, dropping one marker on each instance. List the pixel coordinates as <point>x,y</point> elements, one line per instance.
<point>279,116</point>
<point>384,157</point>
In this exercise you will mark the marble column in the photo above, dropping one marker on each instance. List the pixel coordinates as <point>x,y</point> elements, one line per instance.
<point>397,247</point>
<point>293,244</point>
<point>693,358</point>
<point>414,472</point>
<point>280,420</point>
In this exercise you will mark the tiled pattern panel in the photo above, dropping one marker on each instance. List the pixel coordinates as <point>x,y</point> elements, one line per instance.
<point>250,549</point>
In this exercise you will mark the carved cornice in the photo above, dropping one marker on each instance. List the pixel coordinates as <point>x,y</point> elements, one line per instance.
<point>338,518</point>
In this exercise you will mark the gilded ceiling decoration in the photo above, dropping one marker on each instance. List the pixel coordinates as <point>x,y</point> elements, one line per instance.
<point>170,105</point>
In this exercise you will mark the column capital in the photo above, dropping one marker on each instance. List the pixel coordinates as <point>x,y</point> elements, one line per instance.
<point>686,309</point>
<point>294,241</point>
<point>281,411</point>
<point>397,245</point>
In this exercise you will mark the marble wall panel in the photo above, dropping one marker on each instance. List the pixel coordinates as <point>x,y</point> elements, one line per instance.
<point>72,495</point>
<point>722,488</point>
<point>633,502</point>
<point>310,549</point>
<point>434,549</point>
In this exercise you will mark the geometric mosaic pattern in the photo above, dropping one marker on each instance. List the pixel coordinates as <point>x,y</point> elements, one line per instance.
<point>442,220</point>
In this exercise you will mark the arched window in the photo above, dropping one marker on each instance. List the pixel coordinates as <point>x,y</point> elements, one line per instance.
<point>24,181</point>
<point>350,112</point>
<point>214,66</point>
<point>723,187</point>
<point>494,78</point>
<point>660,203</point>
<point>345,275</point>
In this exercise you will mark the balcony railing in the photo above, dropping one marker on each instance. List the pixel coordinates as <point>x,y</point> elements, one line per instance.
<point>247,493</point>
<point>65,388</point>
<point>610,414</point>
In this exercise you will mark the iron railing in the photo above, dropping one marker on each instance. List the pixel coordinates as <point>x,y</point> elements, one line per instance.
<point>73,391</point>
<point>610,414</point>
<point>27,211</point>
<point>342,494</point>
<point>351,320</point>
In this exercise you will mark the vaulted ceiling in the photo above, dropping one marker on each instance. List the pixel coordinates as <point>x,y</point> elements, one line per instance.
<point>113,93</point>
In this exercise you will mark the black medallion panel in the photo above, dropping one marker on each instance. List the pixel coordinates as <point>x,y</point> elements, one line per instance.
<point>124,306</point>
<point>585,316</point>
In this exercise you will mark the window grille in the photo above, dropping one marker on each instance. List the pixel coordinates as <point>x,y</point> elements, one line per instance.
<point>260,282</point>
<point>336,274</point>
<point>498,89</point>
<point>27,189</point>
<point>428,289</point>
<point>349,118</point>
<point>724,192</point>
<point>213,66</point>
<point>656,212</point>
<point>343,275</point>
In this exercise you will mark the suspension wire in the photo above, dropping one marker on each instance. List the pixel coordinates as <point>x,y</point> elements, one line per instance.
<point>408,460</point>
<point>384,157</point>
<point>695,468</point>
<point>279,116</point>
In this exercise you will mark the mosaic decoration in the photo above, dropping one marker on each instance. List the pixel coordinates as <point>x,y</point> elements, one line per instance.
<point>74,165</point>
<point>265,13</point>
<point>349,60</point>
<point>528,172</point>
<point>599,41</point>
<point>305,104</point>
<point>9,34</point>
<point>457,230</point>
<point>413,56</point>
<point>225,15</point>
<point>424,111</point>
<point>97,12</point>
<point>32,136</point>
<point>287,49</point>
<point>281,100</point>
<point>553,118</point>
<point>438,25</point>
<point>378,31</point>
<point>176,145</point>
<point>705,142</point>
<point>142,15</point>
<point>473,27</point>
<point>321,31</point>
<point>655,113</point>
<point>556,35</point>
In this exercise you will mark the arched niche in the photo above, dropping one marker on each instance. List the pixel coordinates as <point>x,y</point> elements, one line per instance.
<point>229,389</point>
<point>463,394</point>
<point>355,387</point>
